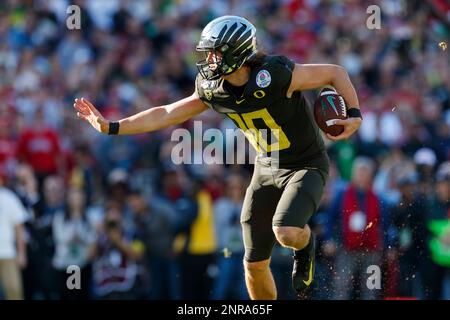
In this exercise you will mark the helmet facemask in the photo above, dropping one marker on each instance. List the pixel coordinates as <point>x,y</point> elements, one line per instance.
<point>210,63</point>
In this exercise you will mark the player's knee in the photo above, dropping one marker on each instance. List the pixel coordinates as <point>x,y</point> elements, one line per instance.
<point>291,236</point>
<point>256,266</point>
<point>285,236</point>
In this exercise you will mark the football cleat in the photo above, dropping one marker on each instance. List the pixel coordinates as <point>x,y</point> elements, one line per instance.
<point>304,267</point>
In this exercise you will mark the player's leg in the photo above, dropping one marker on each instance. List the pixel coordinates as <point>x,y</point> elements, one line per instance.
<point>301,196</point>
<point>259,206</point>
<point>259,280</point>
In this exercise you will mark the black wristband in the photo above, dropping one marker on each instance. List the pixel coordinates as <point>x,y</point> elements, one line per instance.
<point>354,113</point>
<point>113,128</point>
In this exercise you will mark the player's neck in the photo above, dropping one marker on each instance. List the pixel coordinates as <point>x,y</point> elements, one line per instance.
<point>239,77</point>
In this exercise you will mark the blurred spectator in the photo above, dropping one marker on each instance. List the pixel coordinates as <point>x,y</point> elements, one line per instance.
<point>117,252</point>
<point>118,188</point>
<point>356,222</point>
<point>25,186</point>
<point>408,217</point>
<point>325,255</point>
<point>393,164</point>
<point>118,152</point>
<point>13,254</point>
<point>171,184</point>
<point>425,159</point>
<point>196,242</point>
<point>437,262</point>
<point>74,239</point>
<point>82,174</point>
<point>343,152</point>
<point>155,226</point>
<point>54,198</point>
<point>40,275</point>
<point>214,183</point>
<point>229,282</point>
<point>40,147</point>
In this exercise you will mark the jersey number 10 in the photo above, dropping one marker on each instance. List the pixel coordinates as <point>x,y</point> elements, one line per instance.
<point>257,137</point>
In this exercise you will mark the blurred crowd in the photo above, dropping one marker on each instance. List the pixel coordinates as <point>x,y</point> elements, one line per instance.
<point>139,227</point>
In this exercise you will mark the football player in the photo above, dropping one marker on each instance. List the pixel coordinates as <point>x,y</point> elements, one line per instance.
<point>259,92</point>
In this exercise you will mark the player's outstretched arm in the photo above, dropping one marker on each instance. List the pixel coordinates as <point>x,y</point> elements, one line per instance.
<point>313,76</point>
<point>146,121</point>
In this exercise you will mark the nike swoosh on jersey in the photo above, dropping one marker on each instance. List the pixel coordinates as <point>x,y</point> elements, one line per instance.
<point>308,282</point>
<point>240,101</point>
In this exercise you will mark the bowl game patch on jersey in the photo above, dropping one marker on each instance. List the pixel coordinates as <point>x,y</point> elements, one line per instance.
<point>263,79</point>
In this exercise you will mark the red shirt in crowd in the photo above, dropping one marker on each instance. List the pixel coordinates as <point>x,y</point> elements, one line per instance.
<point>40,149</point>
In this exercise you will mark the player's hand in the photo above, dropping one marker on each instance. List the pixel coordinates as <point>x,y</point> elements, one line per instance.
<point>350,126</point>
<point>88,112</point>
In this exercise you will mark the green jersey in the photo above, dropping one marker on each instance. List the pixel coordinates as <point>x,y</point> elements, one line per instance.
<point>273,123</point>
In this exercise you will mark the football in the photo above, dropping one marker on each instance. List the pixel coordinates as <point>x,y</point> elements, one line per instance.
<point>328,107</point>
